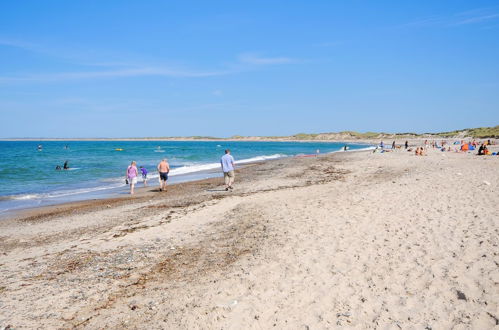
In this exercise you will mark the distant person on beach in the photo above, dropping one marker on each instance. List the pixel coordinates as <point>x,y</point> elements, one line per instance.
<point>131,176</point>
<point>382,145</point>
<point>406,144</point>
<point>393,145</point>
<point>228,166</point>
<point>483,149</point>
<point>163,170</point>
<point>66,165</point>
<point>143,170</point>
<point>345,148</point>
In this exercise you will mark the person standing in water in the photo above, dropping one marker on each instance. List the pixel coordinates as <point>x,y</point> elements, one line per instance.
<point>406,144</point>
<point>131,176</point>
<point>143,170</point>
<point>228,166</point>
<point>66,165</point>
<point>163,170</point>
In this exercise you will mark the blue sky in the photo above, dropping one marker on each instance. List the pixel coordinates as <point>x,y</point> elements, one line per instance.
<point>220,68</point>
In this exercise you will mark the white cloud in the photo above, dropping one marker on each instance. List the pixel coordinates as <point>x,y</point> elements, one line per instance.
<point>121,73</point>
<point>254,59</point>
<point>474,16</point>
<point>328,44</point>
<point>102,65</point>
<point>477,19</point>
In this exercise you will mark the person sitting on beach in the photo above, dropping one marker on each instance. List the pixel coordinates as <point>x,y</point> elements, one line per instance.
<point>131,176</point>
<point>143,170</point>
<point>417,151</point>
<point>483,150</point>
<point>163,170</point>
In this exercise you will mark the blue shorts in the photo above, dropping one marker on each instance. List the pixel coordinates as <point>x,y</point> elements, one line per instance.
<point>163,176</point>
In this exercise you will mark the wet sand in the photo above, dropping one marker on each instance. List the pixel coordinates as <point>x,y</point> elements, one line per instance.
<point>351,239</point>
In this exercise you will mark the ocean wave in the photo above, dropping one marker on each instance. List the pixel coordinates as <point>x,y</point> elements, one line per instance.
<point>114,183</point>
<point>189,169</point>
<point>59,194</point>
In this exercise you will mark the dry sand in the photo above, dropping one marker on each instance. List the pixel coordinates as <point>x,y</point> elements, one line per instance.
<point>356,240</point>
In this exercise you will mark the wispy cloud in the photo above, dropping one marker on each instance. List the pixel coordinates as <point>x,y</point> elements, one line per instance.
<point>16,43</point>
<point>327,44</point>
<point>478,19</point>
<point>255,59</point>
<point>120,73</point>
<point>108,66</point>
<point>474,16</point>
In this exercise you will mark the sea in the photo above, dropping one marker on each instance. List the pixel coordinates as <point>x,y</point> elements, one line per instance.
<point>29,178</point>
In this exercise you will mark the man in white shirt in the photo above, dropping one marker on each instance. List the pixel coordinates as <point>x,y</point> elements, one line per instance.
<point>227,162</point>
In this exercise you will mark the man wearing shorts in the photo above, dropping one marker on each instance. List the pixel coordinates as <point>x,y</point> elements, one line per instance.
<point>163,169</point>
<point>227,162</point>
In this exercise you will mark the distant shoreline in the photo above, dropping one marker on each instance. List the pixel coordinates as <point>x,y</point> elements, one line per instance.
<point>344,136</point>
<point>343,140</point>
<point>180,140</point>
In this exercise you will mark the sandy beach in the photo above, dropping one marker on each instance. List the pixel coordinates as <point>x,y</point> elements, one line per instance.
<point>360,240</point>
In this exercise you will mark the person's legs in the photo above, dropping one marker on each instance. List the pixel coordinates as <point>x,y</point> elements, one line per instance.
<point>226,179</point>
<point>231,178</point>
<point>162,181</point>
<point>132,186</point>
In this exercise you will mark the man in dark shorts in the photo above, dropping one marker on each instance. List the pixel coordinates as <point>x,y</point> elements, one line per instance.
<point>163,169</point>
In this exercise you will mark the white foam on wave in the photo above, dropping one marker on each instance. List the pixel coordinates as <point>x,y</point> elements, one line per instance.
<point>189,169</point>
<point>61,193</point>
<point>120,182</point>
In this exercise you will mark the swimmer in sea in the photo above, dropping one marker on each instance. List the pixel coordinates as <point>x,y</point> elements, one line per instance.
<point>66,166</point>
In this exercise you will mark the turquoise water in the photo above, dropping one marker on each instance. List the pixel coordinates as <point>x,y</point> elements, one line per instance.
<point>28,176</point>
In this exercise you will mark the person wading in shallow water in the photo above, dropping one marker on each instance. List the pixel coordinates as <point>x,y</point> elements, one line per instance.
<point>163,170</point>
<point>227,162</point>
<point>131,176</point>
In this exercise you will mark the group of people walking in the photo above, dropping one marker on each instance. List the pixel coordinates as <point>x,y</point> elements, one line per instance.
<point>132,173</point>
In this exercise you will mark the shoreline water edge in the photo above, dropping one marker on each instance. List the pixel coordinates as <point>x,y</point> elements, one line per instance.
<point>116,187</point>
